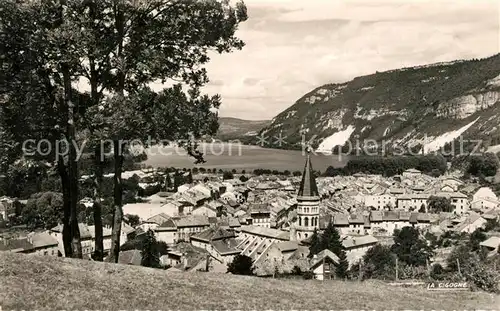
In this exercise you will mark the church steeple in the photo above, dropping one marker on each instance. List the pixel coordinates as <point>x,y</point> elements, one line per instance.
<point>308,201</point>
<point>308,190</point>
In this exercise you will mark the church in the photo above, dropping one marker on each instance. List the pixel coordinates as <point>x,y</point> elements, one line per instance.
<point>308,200</point>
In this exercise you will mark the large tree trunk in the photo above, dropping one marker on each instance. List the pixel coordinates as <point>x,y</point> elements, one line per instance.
<point>99,247</point>
<point>118,213</point>
<point>72,167</point>
<point>117,144</point>
<point>98,155</point>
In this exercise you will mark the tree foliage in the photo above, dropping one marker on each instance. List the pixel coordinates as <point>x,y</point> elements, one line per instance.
<point>149,252</point>
<point>242,265</point>
<point>330,239</point>
<point>410,247</point>
<point>43,210</point>
<point>438,204</point>
<point>315,245</point>
<point>483,165</point>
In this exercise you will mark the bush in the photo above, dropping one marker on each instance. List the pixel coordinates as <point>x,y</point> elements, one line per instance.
<point>227,175</point>
<point>437,272</point>
<point>242,265</point>
<point>481,275</point>
<point>484,165</point>
<point>308,275</point>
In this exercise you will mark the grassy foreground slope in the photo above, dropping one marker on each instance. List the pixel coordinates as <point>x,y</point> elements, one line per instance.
<point>32,282</point>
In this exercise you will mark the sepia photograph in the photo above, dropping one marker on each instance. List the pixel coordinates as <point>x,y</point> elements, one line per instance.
<point>249,155</point>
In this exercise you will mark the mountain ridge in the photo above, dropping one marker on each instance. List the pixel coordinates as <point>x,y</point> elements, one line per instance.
<point>422,106</point>
<point>236,128</point>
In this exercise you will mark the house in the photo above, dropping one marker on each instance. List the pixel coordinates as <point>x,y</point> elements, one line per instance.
<point>7,208</point>
<point>87,237</point>
<point>34,243</point>
<point>420,221</point>
<point>189,225</point>
<point>323,265</point>
<point>341,223</point>
<point>167,232</point>
<point>157,219</point>
<point>260,214</point>
<point>484,204</point>
<point>471,223</point>
<point>458,200</point>
<point>106,238</point>
<point>484,193</point>
<point>356,224</point>
<point>380,201</point>
<point>412,202</point>
<point>185,257</point>
<point>357,246</point>
<point>219,243</point>
<point>255,240</point>
<point>205,210</point>
<point>491,245</point>
<point>411,173</point>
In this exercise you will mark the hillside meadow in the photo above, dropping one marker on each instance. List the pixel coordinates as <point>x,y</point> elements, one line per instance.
<point>29,282</point>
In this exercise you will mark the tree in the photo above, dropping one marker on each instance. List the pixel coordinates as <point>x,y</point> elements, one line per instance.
<point>315,246</point>
<point>330,171</point>
<point>330,239</point>
<point>476,238</point>
<point>378,262</point>
<point>243,178</point>
<point>132,220</point>
<point>41,101</point>
<point>149,252</point>
<point>437,271</point>
<point>483,165</point>
<point>43,210</point>
<point>168,182</point>
<point>297,173</point>
<point>227,175</point>
<point>242,265</point>
<point>189,178</point>
<point>439,204</point>
<point>341,270</point>
<point>410,248</point>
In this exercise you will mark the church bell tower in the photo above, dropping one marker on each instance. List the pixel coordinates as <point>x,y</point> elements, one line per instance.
<point>307,203</point>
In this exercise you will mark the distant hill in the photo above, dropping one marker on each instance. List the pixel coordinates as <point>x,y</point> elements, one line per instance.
<point>31,282</point>
<point>427,105</point>
<point>233,128</point>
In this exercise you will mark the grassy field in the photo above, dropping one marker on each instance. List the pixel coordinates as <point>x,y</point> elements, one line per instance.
<point>32,282</point>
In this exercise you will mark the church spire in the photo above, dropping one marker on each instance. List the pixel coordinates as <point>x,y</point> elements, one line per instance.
<point>308,190</point>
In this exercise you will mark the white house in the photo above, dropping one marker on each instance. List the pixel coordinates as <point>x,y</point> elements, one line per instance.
<point>484,193</point>
<point>356,247</point>
<point>471,223</point>
<point>323,265</point>
<point>409,173</point>
<point>380,201</point>
<point>34,243</point>
<point>491,245</point>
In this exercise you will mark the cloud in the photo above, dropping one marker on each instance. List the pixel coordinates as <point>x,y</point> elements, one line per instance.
<point>293,46</point>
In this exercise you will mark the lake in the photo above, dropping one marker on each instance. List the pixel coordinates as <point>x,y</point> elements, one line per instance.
<point>228,156</point>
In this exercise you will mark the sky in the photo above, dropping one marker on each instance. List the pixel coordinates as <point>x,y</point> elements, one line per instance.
<point>294,46</point>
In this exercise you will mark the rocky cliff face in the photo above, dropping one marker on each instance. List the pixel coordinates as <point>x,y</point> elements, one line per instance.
<point>427,105</point>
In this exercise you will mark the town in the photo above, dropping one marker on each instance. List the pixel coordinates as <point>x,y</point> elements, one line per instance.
<point>207,223</point>
<point>248,155</point>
